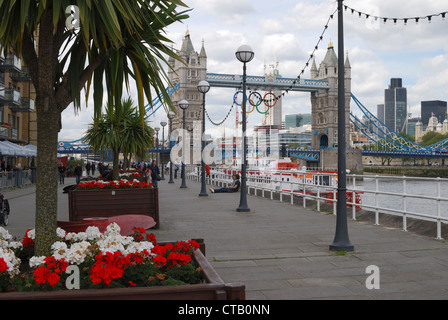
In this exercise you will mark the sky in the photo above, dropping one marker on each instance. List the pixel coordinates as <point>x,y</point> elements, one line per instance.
<point>288,30</point>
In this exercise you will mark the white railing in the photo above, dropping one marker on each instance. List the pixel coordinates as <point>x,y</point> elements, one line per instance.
<point>378,194</point>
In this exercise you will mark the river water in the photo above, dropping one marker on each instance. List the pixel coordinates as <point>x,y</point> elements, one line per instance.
<point>413,187</point>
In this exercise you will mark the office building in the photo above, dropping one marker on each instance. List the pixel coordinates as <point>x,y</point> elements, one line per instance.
<point>395,106</point>
<point>432,108</point>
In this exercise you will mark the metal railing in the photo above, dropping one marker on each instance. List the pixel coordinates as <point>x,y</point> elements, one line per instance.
<point>15,178</point>
<point>399,196</point>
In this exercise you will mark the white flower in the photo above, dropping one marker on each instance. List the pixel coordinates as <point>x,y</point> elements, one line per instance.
<point>4,234</point>
<point>36,261</point>
<point>31,234</point>
<point>112,229</point>
<point>138,247</point>
<point>60,233</point>
<point>81,236</point>
<point>93,233</point>
<point>11,261</point>
<point>70,236</point>
<point>4,243</point>
<point>74,237</point>
<point>78,252</point>
<point>15,245</point>
<point>59,250</point>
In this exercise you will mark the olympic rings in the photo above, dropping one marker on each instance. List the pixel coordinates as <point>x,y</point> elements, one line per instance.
<point>270,105</point>
<point>260,99</point>
<point>240,104</point>
<point>269,99</point>
<point>262,112</point>
<point>252,104</point>
<point>236,96</point>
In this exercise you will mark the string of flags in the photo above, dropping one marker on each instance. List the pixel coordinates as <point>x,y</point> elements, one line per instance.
<point>395,20</point>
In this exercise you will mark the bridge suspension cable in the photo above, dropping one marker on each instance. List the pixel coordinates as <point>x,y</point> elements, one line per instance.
<point>383,135</point>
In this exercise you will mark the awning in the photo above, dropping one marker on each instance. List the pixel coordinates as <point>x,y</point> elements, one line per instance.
<point>8,148</point>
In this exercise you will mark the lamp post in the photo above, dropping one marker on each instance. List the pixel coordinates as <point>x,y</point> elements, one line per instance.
<point>156,141</point>
<point>171,116</point>
<point>162,154</point>
<point>244,54</point>
<point>341,240</point>
<point>183,105</point>
<point>203,87</point>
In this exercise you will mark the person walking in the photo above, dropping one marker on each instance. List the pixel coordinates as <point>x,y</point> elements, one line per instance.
<point>61,170</point>
<point>176,168</point>
<point>78,173</point>
<point>93,168</point>
<point>88,166</point>
<point>155,173</point>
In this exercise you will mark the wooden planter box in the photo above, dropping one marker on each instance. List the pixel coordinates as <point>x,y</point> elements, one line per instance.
<point>85,204</point>
<point>214,289</point>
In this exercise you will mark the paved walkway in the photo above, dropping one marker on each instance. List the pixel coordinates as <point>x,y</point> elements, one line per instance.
<point>280,251</point>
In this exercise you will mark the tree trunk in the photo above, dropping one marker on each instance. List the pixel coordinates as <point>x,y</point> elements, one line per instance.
<point>115,172</point>
<point>48,126</point>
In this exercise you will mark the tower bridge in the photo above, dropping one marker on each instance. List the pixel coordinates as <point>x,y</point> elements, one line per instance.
<point>264,83</point>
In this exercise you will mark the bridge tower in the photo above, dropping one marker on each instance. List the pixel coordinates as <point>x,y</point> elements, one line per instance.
<point>188,74</point>
<point>324,102</point>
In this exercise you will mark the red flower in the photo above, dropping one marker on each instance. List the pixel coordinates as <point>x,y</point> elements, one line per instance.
<point>50,273</point>
<point>108,267</point>
<point>3,265</point>
<point>160,260</point>
<point>27,242</point>
<point>123,184</point>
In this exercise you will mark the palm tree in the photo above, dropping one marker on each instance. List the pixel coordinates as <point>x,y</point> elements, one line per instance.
<point>137,138</point>
<point>117,41</point>
<point>119,129</point>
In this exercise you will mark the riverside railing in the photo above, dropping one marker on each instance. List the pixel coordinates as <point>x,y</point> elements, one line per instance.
<point>407,197</point>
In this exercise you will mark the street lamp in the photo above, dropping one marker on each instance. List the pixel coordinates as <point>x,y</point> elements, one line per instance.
<point>341,240</point>
<point>171,116</point>
<point>183,105</point>
<point>244,54</point>
<point>203,87</point>
<point>162,154</point>
<point>156,142</point>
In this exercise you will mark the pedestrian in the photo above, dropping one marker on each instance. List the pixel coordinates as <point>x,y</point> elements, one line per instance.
<point>93,168</point>
<point>78,173</point>
<point>88,166</point>
<point>234,187</point>
<point>167,167</point>
<point>155,173</point>
<point>176,169</point>
<point>61,170</point>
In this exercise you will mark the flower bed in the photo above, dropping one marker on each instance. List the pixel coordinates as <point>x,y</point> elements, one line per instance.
<point>105,185</point>
<point>107,265</point>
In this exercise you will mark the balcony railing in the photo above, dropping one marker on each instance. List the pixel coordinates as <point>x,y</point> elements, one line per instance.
<point>26,105</point>
<point>4,132</point>
<point>12,62</point>
<point>11,96</point>
<point>14,133</point>
<point>23,75</point>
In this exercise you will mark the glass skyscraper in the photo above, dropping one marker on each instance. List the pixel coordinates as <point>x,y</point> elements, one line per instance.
<point>395,106</point>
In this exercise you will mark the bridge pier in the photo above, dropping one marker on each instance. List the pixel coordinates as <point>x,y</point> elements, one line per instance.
<point>328,161</point>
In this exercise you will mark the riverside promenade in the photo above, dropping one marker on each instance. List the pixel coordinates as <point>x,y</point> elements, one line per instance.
<point>281,251</point>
